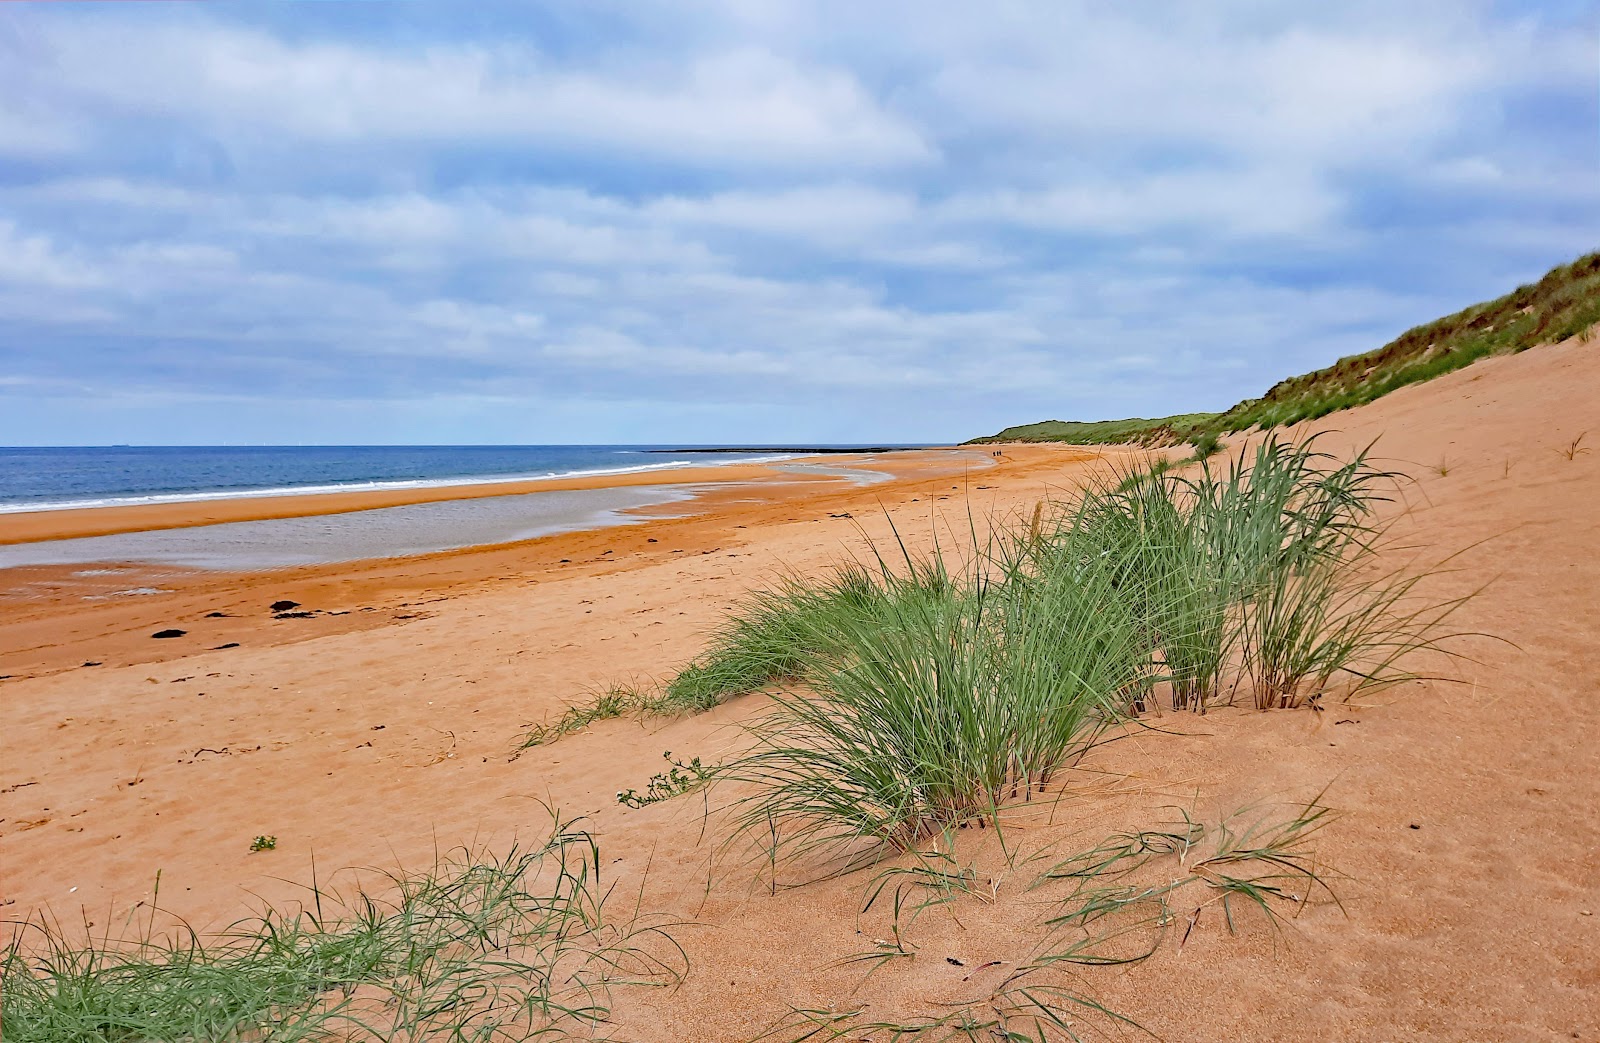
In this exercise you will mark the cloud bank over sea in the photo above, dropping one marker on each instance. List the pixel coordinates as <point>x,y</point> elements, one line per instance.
<point>752,222</point>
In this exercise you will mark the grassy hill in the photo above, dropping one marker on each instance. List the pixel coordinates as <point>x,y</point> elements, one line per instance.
<point>1102,432</point>
<point>1565,303</point>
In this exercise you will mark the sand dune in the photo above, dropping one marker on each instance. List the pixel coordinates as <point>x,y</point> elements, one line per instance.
<point>1467,848</point>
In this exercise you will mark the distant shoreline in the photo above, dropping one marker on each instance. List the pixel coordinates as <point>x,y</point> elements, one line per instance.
<point>72,523</point>
<point>814,450</point>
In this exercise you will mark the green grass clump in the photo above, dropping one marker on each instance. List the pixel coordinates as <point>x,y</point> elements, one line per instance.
<point>769,639</point>
<point>1261,573</point>
<point>910,699</point>
<point>935,710</point>
<point>1206,444</point>
<point>775,634</point>
<point>484,948</point>
<point>895,722</point>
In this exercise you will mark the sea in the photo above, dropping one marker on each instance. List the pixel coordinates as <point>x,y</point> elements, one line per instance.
<point>40,479</point>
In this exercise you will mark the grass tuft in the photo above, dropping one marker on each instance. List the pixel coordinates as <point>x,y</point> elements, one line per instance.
<point>1115,904</point>
<point>487,948</point>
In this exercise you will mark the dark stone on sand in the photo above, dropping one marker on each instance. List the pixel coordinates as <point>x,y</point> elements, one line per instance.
<point>216,615</point>
<point>294,615</point>
<point>90,662</point>
<point>171,632</point>
<point>284,606</point>
<point>230,644</point>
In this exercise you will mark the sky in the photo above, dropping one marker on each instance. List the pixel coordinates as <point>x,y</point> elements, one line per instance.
<point>745,222</point>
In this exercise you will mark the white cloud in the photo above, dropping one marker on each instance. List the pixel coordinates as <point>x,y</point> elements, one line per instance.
<point>919,220</point>
<point>34,259</point>
<point>744,106</point>
<point>1250,202</point>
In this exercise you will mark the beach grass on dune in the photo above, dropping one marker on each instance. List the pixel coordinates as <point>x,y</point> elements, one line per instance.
<point>907,700</point>
<point>522,945</point>
<point>769,639</point>
<point>923,692</point>
<point>935,709</point>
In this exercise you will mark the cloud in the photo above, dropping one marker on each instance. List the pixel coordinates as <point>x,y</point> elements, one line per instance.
<point>35,260</point>
<point>752,221</point>
<point>1230,203</point>
<point>740,106</point>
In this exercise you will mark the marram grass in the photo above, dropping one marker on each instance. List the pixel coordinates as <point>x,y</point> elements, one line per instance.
<point>519,946</point>
<point>919,703</point>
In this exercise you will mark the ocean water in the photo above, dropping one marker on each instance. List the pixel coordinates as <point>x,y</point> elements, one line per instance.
<point>44,479</point>
<point>34,479</point>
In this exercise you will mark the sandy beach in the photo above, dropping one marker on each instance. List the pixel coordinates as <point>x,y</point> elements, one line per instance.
<point>381,729</point>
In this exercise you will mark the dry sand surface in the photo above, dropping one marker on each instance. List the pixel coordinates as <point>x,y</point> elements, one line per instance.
<point>1468,845</point>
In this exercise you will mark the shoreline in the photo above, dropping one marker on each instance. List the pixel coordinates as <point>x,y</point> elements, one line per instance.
<point>380,485</point>
<point>82,522</point>
<point>59,616</point>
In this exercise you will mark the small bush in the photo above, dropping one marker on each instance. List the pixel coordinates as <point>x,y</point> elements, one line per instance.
<point>1206,444</point>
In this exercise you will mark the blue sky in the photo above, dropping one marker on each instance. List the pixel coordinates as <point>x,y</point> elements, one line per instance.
<point>753,222</point>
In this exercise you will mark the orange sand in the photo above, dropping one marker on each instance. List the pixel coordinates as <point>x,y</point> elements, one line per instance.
<point>378,736</point>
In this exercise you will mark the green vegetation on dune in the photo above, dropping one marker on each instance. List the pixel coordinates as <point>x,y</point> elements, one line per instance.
<point>1563,304</point>
<point>1102,432</point>
<point>526,945</point>
<point>908,698</point>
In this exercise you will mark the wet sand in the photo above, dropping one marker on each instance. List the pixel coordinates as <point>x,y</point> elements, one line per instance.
<point>1466,853</point>
<point>58,616</point>
<point>27,526</point>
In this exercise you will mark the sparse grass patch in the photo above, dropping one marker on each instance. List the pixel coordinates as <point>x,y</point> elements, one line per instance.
<point>486,948</point>
<point>1117,903</point>
<point>609,704</point>
<point>1575,448</point>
